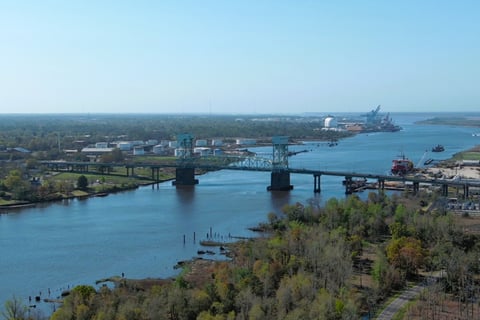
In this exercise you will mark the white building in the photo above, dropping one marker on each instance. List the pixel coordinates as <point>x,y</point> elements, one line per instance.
<point>101,145</point>
<point>125,145</point>
<point>138,151</point>
<point>245,141</point>
<point>158,149</point>
<point>217,142</point>
<point>202,151</point>
<point>97,150</point>
<point>201,143</point>
<point>137,143</point>
<point>151,142</point>
<point>179,153</point>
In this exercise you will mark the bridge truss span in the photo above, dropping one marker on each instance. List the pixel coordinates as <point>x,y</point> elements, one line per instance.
<point>185,172</point>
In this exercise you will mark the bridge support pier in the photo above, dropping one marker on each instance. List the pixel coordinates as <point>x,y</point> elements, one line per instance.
<point>416,187</point>
<point>280,181</point>
<point>466,192</point>
<point>381,184</point>
<point>128,171</point>
<point>185,177</point>
<point>316,183</point>
<point>156,174</point>
<point>348,185</point>
<point>445,190</point>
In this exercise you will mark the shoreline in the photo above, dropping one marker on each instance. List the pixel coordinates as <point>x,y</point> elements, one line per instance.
<point>5,209</point>
<point>444,169</point>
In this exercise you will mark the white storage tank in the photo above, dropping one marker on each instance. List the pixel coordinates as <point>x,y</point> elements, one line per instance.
<point>330,122</point>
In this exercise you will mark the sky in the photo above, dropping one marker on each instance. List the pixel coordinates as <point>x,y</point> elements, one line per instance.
<point>240,57</point>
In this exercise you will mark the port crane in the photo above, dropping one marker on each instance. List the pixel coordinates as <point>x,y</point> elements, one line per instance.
<point>372,116</point>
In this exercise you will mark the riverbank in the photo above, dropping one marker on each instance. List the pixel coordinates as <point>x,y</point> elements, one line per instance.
<point>76,194</point>
<point>463,165</point>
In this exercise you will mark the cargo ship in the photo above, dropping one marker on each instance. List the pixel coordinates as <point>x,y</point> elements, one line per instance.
<point>374,122</point>
<point>402,166</point>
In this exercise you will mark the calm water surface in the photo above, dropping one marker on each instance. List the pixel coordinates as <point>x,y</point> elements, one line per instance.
<point>140,232</point>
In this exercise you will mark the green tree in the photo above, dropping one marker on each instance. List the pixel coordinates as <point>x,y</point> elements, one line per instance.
<point>82,182</point>
<point>115,156</point>
<point>19,187</point>
<point>406,254</point>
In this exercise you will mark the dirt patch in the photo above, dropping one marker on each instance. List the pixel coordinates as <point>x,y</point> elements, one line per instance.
<point>200,272</point>
<point>469,224</point>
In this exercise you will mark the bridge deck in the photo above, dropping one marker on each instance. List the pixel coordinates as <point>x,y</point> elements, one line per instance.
<point>264,167</point>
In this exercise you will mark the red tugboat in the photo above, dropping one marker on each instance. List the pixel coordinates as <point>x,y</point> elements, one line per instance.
<point>402,166</point>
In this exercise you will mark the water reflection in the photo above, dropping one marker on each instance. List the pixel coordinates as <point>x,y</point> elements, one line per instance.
<point>279,199</point>
<point>185,194</point>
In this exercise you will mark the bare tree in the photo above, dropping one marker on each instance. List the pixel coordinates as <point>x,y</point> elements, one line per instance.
<point>14,309</point>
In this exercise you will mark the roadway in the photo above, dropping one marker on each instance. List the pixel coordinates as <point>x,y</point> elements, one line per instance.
<point>257,164</point>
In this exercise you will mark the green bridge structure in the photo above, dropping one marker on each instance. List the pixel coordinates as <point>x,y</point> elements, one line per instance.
<point>186,164</point>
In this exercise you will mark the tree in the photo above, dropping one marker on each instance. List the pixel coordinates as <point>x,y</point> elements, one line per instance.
<point>82,182</point>
<point>406,254</point>
<point>19,187</point>
<point>14,310</point>
<point>115,155</point>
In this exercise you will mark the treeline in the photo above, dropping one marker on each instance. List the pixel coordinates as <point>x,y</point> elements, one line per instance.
<point>52,133</point>
<point>314,265</point>
<point>471,121</point>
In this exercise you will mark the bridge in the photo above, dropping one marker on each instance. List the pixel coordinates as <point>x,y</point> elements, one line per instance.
<point>280,180</point>
<point>186,164</point>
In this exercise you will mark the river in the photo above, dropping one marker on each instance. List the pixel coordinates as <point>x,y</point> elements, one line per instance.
<point>48,249</point>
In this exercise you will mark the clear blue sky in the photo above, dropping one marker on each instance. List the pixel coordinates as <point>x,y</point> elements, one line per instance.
<point>238,56</point>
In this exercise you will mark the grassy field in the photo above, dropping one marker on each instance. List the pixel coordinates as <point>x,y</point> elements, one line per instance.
<point>92,178</point>
<point>471,154</point>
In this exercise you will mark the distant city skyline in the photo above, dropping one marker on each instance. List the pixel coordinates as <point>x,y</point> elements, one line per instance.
<point>244,57</point>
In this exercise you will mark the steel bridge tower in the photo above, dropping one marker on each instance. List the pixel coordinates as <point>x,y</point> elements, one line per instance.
<point>280,176</point>
<point>184,147</point>
<point>185,172</point>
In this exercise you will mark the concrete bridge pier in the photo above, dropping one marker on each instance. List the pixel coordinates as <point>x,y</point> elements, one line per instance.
<point>445,190</point>
<point>155,174</point>
<point>348,185</point>
<point>105,169</point>
<point>466,192</point>
<point>381,184</point>
<point>316,183</point>
<point>416,187</point>
<point>185,177</point>
<point>280,181</point>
